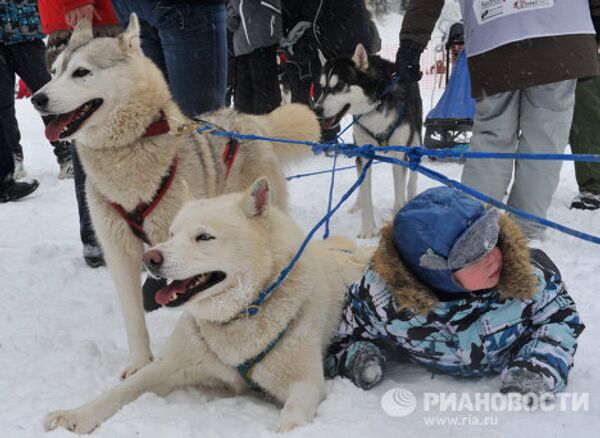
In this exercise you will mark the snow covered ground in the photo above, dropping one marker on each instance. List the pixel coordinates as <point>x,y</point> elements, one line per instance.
<point>62,339</point>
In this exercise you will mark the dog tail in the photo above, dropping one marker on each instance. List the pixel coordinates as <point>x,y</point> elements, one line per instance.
<point>293,122</point>
<point>351,259</point>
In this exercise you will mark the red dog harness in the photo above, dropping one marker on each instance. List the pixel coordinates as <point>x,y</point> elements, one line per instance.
<point>135,219</point>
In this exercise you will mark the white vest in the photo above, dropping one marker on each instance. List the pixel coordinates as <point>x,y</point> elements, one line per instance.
<point>493,23</point>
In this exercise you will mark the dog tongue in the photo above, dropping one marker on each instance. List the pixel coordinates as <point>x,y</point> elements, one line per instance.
<point>163,296</point>
<point>56,126</point>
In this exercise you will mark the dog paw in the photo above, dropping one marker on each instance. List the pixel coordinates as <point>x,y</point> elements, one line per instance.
<point>367,233</point>
<point>69,420</point>
<point>134,367</point>
<point>287,425</point>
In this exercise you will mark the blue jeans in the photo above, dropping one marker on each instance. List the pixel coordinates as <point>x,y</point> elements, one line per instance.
<point>188,42</point>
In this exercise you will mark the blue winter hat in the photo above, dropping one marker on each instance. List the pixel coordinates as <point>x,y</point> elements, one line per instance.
<point>440,231</point>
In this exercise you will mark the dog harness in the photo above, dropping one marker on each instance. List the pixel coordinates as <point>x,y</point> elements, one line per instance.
<point>135,219</point>
<point>383,138</point>
<point>246,367</point>
<point>229,154</point>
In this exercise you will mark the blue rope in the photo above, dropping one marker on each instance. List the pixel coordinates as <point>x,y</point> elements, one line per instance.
<point>414,154</point>
<point>351,150</point>
<point>321,172</point>
<point>482,197</point>
<point>329,201</point>
<point>254,307</point>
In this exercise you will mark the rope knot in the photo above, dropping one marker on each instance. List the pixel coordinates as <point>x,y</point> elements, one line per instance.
<point>414,156</point>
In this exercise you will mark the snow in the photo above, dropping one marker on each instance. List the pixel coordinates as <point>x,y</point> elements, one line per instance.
<point>62,339</point>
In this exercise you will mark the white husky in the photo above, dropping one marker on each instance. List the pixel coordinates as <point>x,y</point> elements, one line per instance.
<point>116,105</point>
<point>223,252</point>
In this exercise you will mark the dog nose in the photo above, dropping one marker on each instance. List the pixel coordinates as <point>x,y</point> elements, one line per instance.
<point>40,100</point>
<point>319,111</point>
<point>153,259</point>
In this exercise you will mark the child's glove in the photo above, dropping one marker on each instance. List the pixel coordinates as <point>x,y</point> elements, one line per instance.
<point>366,368</point>
<point>524,382</point>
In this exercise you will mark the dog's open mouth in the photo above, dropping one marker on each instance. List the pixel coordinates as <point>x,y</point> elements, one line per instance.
<point>67,124</point>
<point>180,291</point>
<point>333,121</point>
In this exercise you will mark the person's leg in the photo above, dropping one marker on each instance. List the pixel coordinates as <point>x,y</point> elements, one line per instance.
<point>299,82</point>
<point>244,87</point>
<point>263,70</point>
<point>30,65</point>
<point>10,190</point>
<point>149,38</point>
<point>585,139</point>
<point>92,253</point>
<point>495,128</point>
<point>546,116</point>
<point>9,128</point>
<point>194,42</point>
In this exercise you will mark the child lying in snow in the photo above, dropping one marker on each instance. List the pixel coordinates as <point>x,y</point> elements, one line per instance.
<point>454,287</point>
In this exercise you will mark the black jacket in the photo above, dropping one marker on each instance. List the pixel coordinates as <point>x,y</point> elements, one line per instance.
<point>340,25</point>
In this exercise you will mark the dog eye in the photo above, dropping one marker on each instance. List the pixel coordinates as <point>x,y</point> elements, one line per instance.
<point>53,71</point>
<point>80,72</point>
<point>204,236</point>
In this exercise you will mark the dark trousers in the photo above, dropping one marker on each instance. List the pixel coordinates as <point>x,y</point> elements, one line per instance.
<point>585,133</point>
<point>88,237</point>
<point>26,59</point>
<point>188,42</point>
<point>256,83</point>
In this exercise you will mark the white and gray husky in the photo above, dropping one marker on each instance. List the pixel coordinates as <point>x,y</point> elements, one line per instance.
<point>384,116</point>
<point>140,152</point>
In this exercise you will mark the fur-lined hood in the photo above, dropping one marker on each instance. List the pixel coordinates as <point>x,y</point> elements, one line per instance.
<point>517,279</point>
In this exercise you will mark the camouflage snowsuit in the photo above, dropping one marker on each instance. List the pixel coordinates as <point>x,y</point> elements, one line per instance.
<point>471,335</point>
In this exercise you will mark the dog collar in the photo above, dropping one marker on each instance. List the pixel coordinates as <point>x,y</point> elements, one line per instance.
<point>158,127</point>
<point>135,219</point>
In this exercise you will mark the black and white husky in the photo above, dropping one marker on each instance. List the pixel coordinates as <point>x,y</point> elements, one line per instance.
<point>386,115</point>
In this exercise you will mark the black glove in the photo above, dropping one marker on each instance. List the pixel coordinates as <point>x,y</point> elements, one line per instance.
<point>407,61</point>
<point>596,23</point>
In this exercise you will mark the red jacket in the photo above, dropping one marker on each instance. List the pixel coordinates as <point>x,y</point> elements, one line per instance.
<point>52,13</point>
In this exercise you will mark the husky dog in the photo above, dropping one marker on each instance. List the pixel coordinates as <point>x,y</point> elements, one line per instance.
<point>114,102</point>
<point>222,253</point>
<point>384,116</point>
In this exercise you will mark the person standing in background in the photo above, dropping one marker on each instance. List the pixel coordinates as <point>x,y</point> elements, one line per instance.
<point>334,28</point>
<point>524,59</point>
<point>187,40</point>
<point>585,132</point>
<point>256,28</point>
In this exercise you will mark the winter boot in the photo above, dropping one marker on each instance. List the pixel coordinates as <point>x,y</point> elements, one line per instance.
<point>12,190</point>
<point>586,201</point>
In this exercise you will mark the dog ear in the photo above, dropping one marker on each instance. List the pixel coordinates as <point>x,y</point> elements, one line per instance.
<point>322,58</point>
<point>130,39</point>
<point>360,57</point>
<point>257,198</point>
<point>82,33</point>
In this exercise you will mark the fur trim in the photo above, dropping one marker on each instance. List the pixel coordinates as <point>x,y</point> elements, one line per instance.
<point>516,279</point>
<point>408,290</point>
